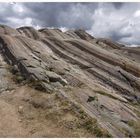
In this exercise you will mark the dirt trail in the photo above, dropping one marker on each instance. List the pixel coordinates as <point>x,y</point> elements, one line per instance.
<point>25,112</point>
<point>10,123</point>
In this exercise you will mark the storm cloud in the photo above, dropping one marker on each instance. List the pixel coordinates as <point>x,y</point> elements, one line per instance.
<point>118,21</point>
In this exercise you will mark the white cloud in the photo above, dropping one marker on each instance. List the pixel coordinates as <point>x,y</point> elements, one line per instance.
<point>18,8</point>
<point>28,21</point>
<point>121,25</point>
<point>63,29</point>
<point>137,13</point>
<point>20,22</point>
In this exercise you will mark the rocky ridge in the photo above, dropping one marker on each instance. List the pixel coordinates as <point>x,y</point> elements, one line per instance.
<point>100,76</point>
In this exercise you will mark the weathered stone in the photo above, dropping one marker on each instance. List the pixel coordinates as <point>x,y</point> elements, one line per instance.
<point>101,75</point>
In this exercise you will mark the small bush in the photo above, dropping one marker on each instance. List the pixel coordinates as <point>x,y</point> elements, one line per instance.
<point>90,98</point>
<point>36,84</point>
<point>19,78</point>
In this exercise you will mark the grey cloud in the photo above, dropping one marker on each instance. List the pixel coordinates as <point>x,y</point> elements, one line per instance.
<point>110,20</point>
<point>118,5</point>
<point>70,15</point>
<point>117,33</point>
<point>117,36</point>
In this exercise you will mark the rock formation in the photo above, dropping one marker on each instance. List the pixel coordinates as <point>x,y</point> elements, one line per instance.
<point>99,75</point>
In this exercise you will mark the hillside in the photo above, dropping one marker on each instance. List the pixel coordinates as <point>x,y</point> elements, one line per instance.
<point>67,84</point>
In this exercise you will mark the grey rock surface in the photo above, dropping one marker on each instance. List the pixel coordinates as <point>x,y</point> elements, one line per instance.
<point>82,67</point>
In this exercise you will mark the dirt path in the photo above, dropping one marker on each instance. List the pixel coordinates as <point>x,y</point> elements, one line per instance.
<point>25,112</point>
<point>10,123</point>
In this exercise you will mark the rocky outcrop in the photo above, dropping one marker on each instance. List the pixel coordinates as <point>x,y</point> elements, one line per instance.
<point>29,32</point>
<point>100,75</point>
<point>8,30</point>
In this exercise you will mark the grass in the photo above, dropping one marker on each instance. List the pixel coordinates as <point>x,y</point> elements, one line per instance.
<point>91,125</point>
<point>84,121</point>
<point>136,126</point>
<point>17,76</point>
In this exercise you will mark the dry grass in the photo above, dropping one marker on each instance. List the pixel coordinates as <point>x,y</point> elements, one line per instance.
<point>84,121</point>
<point>136,126</point>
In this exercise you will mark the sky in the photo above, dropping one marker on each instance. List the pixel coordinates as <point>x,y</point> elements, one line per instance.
<point>117,21</point>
